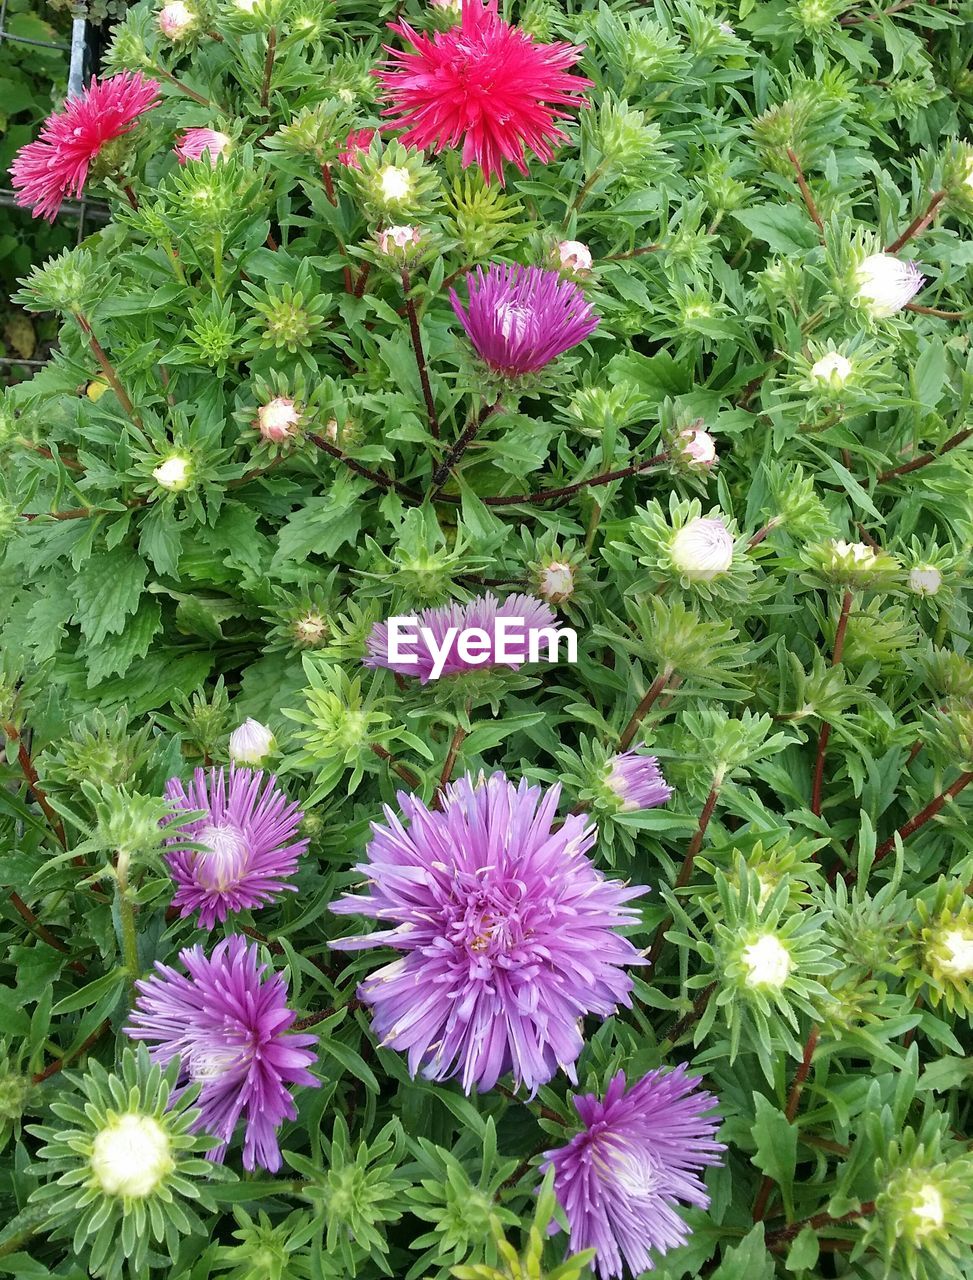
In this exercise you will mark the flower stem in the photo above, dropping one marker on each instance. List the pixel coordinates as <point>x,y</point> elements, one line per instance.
<point>812,208</point>
<point>688,1020</point>
<point>793,1101</point>
<point>839,644</point>
<point>410,308</point>
<point>60,1063</point>
<point>328,184</point>
<point>640,712</point>
<point>441,474</point>
<point>362,280</point>
<point>634,253</point>
<point>919,224</point>
<point>924,815</point>
<point>268,66</point>
<point>456,742</point>
<point>935,311</point>
<point>404,772</point>
<point>596,173</point>
<point>13,734</point>
<point>376,477</point>
<point>565,491</point>
<point>762,533</point>
<point>777,1239</point>
<point>183,88</point>
<point>686,870</point>
<point>107,368</point>
<point>132,197</point>
<point>924,459</point>
<point>126,916</point>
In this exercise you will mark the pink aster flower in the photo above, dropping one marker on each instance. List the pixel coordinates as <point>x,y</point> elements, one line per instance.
<point>248,851</point>
<point>229,1027</point>
<point>430,646</point>
<point>508,933</point>
<point>357,140</point>
<point>193,144</point>
<point>636,780</point>
<point>46,172</point>
<point>279,419</point>
<point>482,84</point>
<point>639,1155</point>
<point>519,319</point>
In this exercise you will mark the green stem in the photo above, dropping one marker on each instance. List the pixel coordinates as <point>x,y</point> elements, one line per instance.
<point>597,172</point>
<point>126,916</point>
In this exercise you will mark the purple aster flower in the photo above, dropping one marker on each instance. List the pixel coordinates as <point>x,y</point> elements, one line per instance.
<point>519,319</point>
<point>245,833</point>
<point>509,934</point>
<point>637,781</point>
<point>430,649</point>
<point>639,1155</point>
<point>229,1027</point>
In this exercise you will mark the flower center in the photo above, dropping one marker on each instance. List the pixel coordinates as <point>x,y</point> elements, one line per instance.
<point>224,859</point>
<point>205,1065</point>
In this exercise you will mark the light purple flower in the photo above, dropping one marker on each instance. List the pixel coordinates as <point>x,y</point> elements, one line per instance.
<point>509,934</point>
<point>519,319</point>
<point>229,1028</point>
<point>523,613</point>
<point>247,832</point>
<point>637,781</point>
<point>638,1157</point>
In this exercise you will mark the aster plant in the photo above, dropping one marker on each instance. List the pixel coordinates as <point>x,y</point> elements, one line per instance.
<point>642,333</point>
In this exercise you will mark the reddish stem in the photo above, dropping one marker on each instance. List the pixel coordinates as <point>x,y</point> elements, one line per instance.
<point>919,224</point>
<point>839,644</point>
<point>812,208</point>
<point>60,1063</point>
<point>686,870</point>
<point>924,815</point>
<point>410,308</point>
<point>565,491</point>
<point>376,477</point>
<point>107,368</point>
<point>404,772</point>
<point>924,459</point>
<point>793,1101</point>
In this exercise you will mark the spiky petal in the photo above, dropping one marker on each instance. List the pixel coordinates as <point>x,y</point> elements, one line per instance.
<point>229,1026</point>
<point>509,933</point>
<point>639,1155</point>
<point>247,832</point>
<point>483,85</point>
<point>45,172</point>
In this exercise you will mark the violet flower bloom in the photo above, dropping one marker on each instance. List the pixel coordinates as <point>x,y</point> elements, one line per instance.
<point>637,781</point>
<point>229,1027</point>
<point>247,832</point>
<point>509,933</point>
<point>438,654</point>
<point>519,319</point>
<point>638,1157</point>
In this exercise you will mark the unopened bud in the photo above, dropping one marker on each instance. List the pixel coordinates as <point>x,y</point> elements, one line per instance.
<point>395,183</point>
<point>767,962</point>
<point>556,581</point>
<point>833,369</point>
<point>278,419</point>
<point>925,580</point>
<point>401,238</point>
<point>176,20</point>
<point>131,1156</point>
<point>574,256</point>
<point>174,473</point>
<point>696,448</point>
<point>703,548</point>
<point>358,140</point>
<point>251,743</point>
<point>193,144</point>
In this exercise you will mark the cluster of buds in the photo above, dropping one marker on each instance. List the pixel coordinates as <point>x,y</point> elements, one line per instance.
<point>278,420</point>
<point>177,20</point>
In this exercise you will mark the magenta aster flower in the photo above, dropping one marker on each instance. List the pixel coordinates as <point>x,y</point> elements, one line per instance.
<point>482,84</point>
<point>509,934</point>
<point>431,647</point>
<point>637,781</point>
<point>519,319</point>
<point>229,1028</point>
<point>248,851</point>
<point>358,140</point>
<point>638,1157</point>
<point>46,172</point>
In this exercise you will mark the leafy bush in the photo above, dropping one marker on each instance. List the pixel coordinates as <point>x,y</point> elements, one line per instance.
<point>285,409</point>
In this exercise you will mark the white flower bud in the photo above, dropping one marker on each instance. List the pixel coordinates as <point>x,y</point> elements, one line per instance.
<point>556,581</point>
<point>767,961</point>
<point>251,742</point>
<point>956,957</point>
<point>885,284</point>
<point>851,555</point>
<point>697,448</point>
<point>176,20</point>
<point>395,183</point>
<point>925,580</point>
<point>131,1156</point>
<point>398,238</point>
<point>574,256</point>
<point>278,419</point>
<point>833,369</point>
<point>703,548</point>
<point>925,1212</point>
<point>173,474</point>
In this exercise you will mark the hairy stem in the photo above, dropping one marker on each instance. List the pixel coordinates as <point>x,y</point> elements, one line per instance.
<point>376,477</point>
<point>919,224</point>
<point>812,208</point>
<point>268,67</point>
<point>924,459</point>
<point>924,815</point>
<point>441,474</point>
<point>126,917</point>
<point>606,477</point>
<point>107,368</point>
<point>403,770</point>
<point>643,708</point>
<point>410,308</point>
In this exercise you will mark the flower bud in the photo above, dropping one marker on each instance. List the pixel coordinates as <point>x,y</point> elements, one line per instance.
<point>954,953</point>
<point>174,473</point>
<point>885,284</point>
<point>131,1156</point>
<point>833,369</point>
<point>310,630</point>
<point>395,183</point>
<point>176,20</point>
<point>450,6</point>
<point>556,581</point>
<point>251,742</point>
<point>851,555</point>
<point>278,419</point>
<point>767,962</point>
<point>703,548</point>
<point>925,580</point>
<point>357,140</point>
<point>402,238</point>
<point>574,256</point>
<point>696,448</point>
<point>193,144</point>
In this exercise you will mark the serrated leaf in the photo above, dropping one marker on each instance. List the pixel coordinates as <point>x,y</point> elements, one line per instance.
<point>803,1253</point>
<point>322,524</point>
<point>776,1153</point>
<point>107,589</point>
<point>115,654</point>
<point>786,228</point>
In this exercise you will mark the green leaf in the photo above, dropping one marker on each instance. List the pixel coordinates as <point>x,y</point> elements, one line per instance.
<point>322,524</point>
<point>91,993</point>
<point>803,1253</point>
<point>115,654</point>
<point>655,376</point>
<point>776,1153</point>
<point>108,588</point>
<point>749,1260</point>
<point>929,375</point>
<point>785,228</point>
